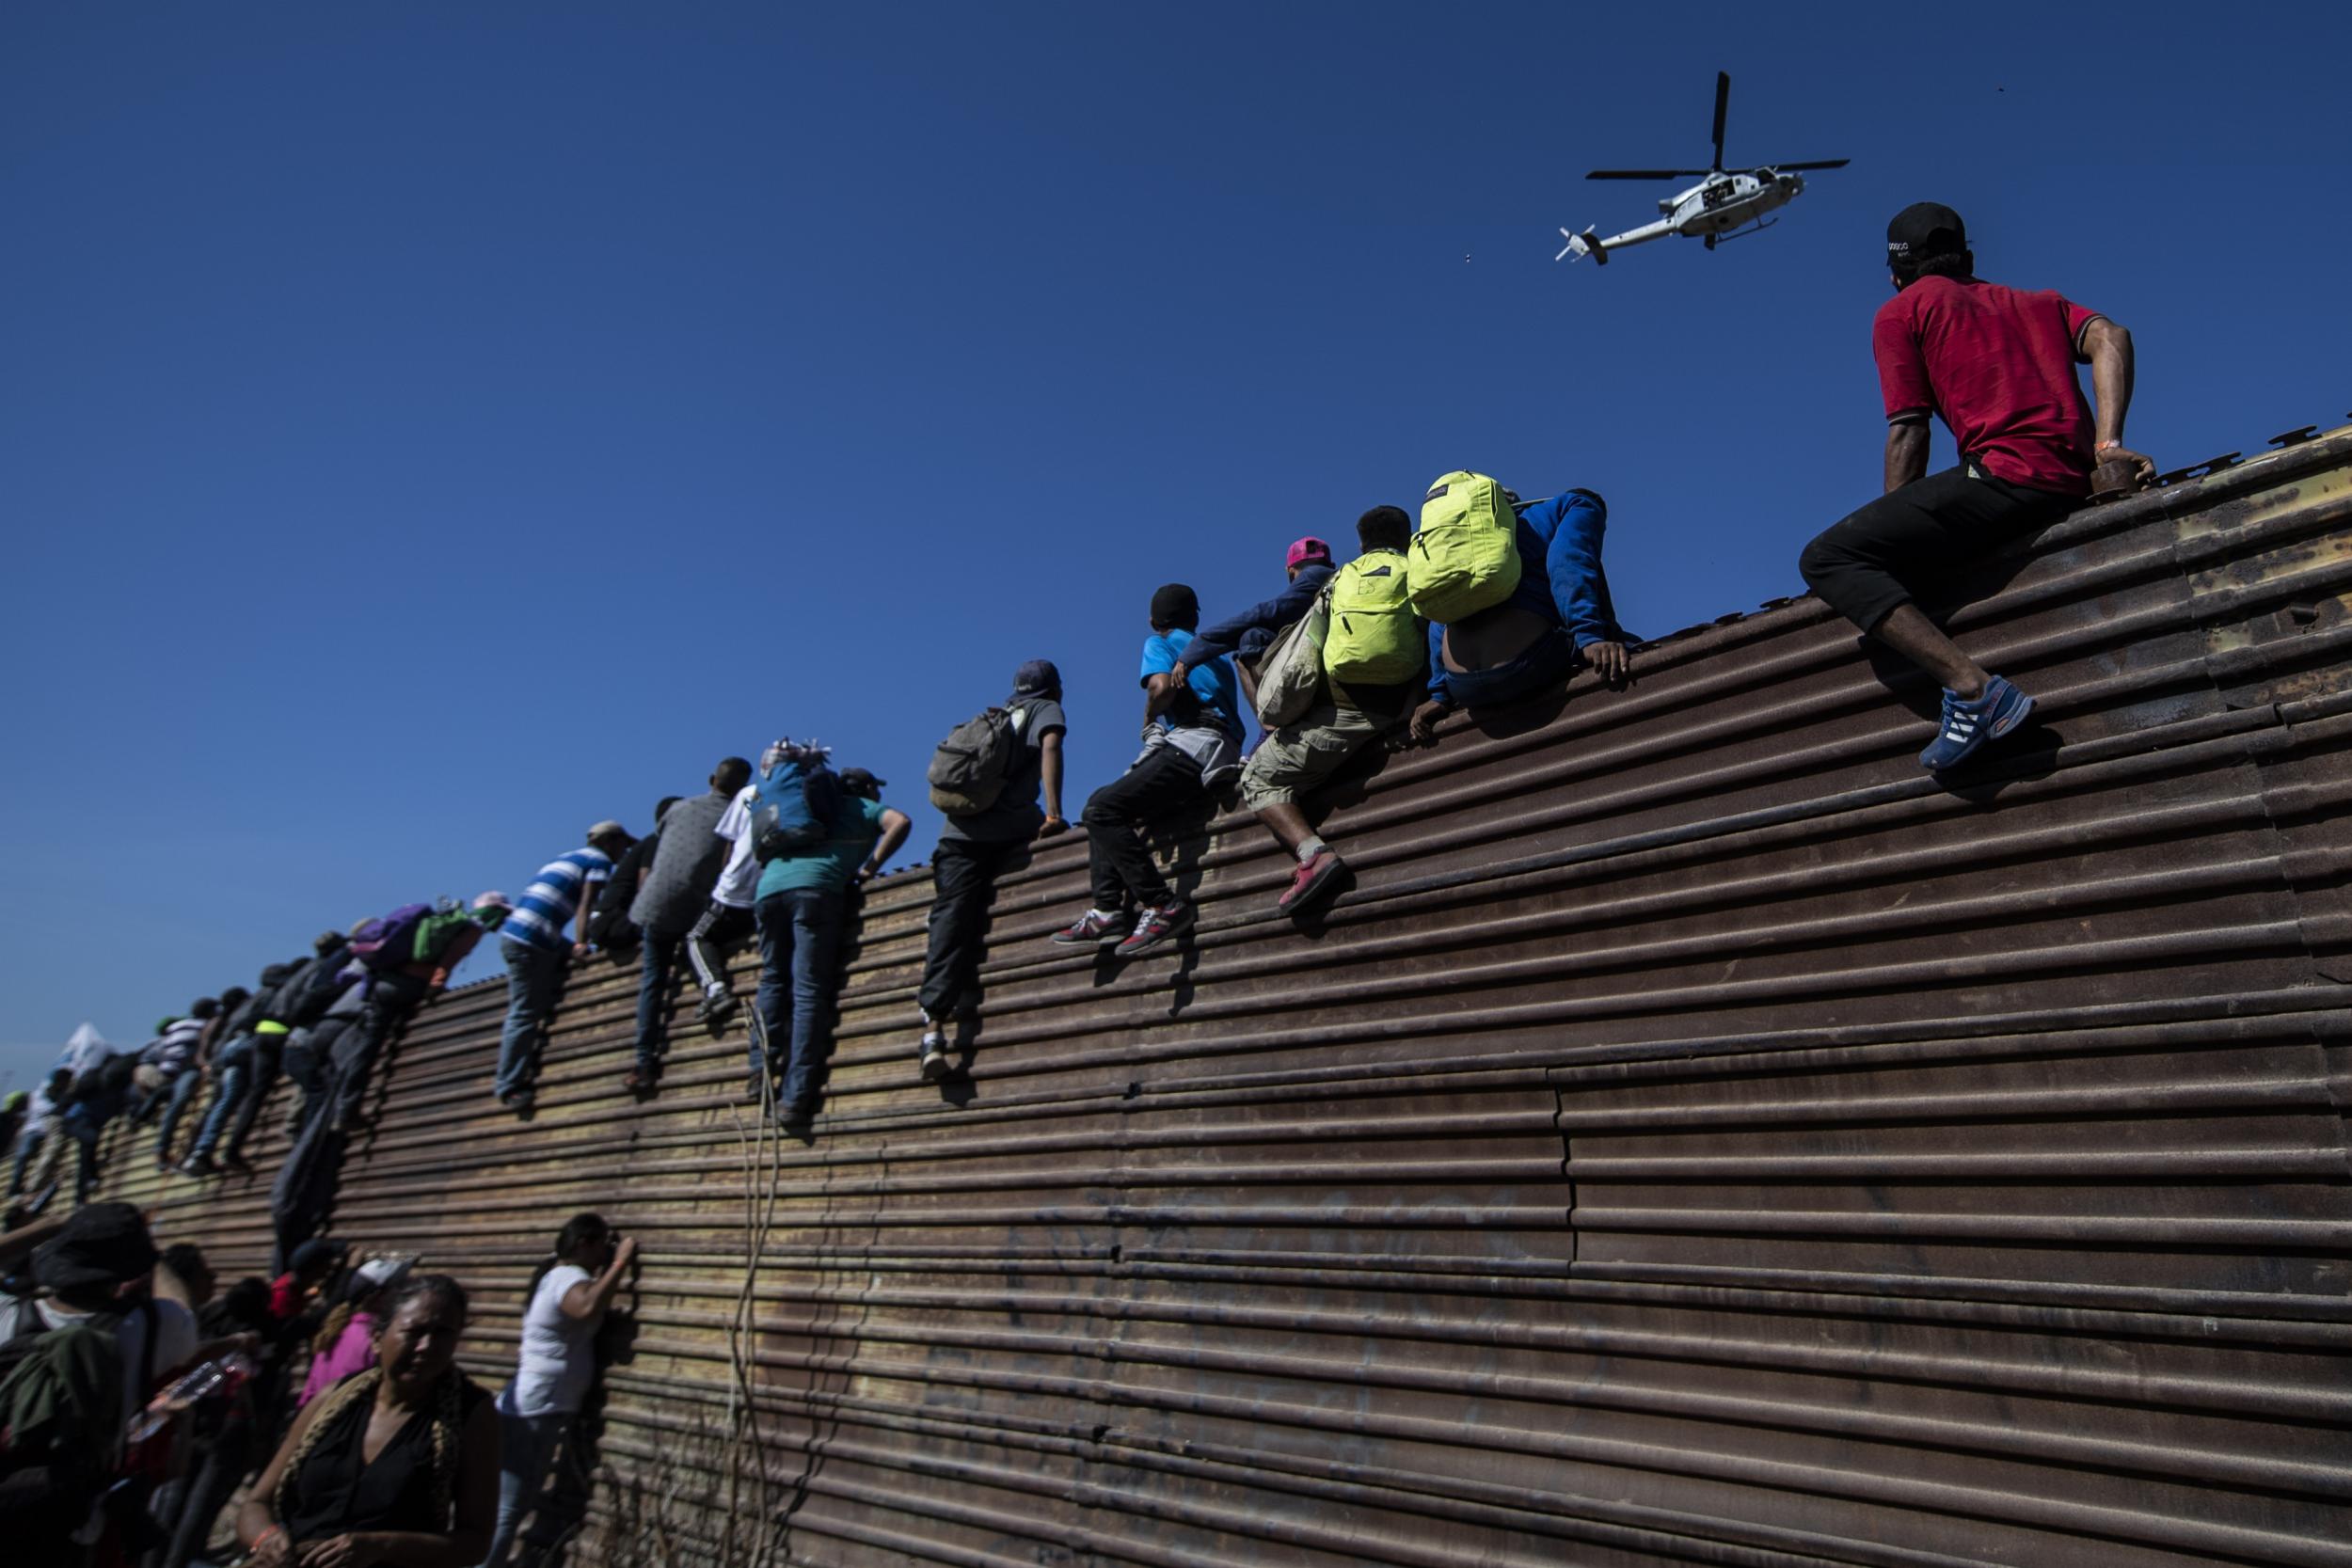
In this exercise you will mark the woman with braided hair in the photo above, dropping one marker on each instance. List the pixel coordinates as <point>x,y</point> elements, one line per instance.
<point>397,1465</point>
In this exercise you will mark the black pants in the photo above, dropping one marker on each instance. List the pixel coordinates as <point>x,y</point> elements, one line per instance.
<point>1866,567</point>
<point>963,880</point>
<point>1163,782</point>
<point>707,943</point>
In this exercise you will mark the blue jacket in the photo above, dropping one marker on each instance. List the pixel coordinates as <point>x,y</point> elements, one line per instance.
<point>1232,635</point>
<point>1560,574</point>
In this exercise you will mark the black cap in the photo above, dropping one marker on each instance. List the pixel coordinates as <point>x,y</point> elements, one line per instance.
<point>103,1244</point>
<point>1175,605</point>
<point>857,781</point>
<point>1037,679</point>
<point>1925,230</point>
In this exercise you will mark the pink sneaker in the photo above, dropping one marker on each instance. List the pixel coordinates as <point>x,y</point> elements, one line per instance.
<point>1155,925</point>
<point>1093,928</point>
<point>1316,878</point>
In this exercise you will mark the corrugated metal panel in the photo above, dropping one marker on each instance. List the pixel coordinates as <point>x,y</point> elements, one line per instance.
<point>1700,1137</point>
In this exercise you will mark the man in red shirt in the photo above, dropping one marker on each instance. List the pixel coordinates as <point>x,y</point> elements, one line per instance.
<point>1998,365</point>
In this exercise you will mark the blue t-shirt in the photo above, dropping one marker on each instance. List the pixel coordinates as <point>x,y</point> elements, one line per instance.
<point>1216,702</point>
<point>829,867</point>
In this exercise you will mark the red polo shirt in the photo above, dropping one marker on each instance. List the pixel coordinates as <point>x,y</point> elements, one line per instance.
<point>1998,365</point>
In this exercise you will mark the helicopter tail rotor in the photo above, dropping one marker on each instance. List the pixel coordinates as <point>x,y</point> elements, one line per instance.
<point>1582,246</point>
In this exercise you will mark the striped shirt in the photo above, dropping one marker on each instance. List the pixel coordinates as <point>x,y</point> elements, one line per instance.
<point>548,903</point>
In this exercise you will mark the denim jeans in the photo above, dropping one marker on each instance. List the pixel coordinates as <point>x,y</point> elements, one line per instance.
<point>182,1090</point>
<point>657,963</point>
<point>1547,661</point>
<point>232,1071</point>
<point>27,1145</point>
<point>800,933</point>
<point>534,978</point>
<point>527,1450</point>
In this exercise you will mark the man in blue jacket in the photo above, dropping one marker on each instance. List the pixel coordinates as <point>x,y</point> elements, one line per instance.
<point>1559,616</point>
<point>1246,636</point>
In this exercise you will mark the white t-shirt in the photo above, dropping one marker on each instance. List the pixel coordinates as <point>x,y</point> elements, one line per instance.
<point>559,1352</point>
<point>738,881</point>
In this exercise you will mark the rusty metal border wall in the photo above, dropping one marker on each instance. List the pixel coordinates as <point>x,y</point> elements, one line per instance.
<point>1697,1138</point>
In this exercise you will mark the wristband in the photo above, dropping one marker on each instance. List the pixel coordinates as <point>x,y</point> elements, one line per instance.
<point>2107,446</point>
<point>263,1540</point>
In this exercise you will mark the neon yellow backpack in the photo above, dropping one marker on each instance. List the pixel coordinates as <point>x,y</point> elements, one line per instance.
<point>1466,558</point>
<point>1374,639</point>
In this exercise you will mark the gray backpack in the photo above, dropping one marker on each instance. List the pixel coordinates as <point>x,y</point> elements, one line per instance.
<point>969,770</point>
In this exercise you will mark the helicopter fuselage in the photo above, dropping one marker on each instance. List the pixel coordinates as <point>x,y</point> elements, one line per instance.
<point>1729,201</point>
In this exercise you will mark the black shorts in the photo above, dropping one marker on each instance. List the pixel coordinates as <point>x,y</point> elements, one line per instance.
<point>1866,567</point>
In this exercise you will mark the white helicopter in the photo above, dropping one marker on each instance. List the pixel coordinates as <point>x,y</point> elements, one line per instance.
<point>1709,210</point>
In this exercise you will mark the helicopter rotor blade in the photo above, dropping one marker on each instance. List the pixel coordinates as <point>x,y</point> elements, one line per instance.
<point>1646,173</point>
<point>1723,101</point>
<point>1818,162</point>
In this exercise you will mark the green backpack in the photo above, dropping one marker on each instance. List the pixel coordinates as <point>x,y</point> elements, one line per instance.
<point>1374,638</point>
<point>1466,558</point>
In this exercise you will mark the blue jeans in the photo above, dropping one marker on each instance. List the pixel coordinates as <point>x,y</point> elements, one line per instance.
<point>27,1145</point>
<point>527,1447</point>
<point>233,1073</point>
<point>800,931</point>
<point>657,961</point>
<point>1547,661</point>
<point>182,1091</point>
<point>534,978</point>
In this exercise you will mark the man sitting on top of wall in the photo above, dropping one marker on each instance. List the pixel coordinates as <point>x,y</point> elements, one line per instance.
<point>1998,365</point>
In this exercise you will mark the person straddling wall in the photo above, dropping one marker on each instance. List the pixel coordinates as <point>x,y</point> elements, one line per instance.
<point>1243,637</point>
<point>1998,365</point>
<point>1559,615</point>
<point>1375,669</point>
<point>1192,744</point>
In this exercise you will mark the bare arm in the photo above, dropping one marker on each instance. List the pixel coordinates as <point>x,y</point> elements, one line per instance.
<point>1160,694</point>
<point>895,825</point>
<point>588,1297</point>
<point>580,916</point>
<point>1906,452</point>
<point>1049,765</point>
<point>2108,348</point>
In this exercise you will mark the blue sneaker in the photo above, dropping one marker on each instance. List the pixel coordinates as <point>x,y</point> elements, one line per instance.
<point>1969,724</point>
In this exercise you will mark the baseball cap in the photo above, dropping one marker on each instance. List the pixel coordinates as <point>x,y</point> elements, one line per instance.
<point>607,829</point>
<point>1174,603</point>
<point>1304,550</point>
<point>376,1274</point>
<point>1923,230</point>
<point>857,780</point>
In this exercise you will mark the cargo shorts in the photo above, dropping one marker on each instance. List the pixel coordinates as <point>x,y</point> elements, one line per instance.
<point>1297,758</point>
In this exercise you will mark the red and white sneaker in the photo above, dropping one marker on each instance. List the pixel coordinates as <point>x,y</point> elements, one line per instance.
<point>1092,929</point>
<point>1315,878</point>
<point>1155,925</point>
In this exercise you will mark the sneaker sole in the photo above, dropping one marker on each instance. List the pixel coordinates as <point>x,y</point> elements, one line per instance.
<point>1291,903</point>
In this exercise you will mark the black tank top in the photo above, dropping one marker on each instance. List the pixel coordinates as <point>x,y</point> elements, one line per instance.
<point>336,1491</point>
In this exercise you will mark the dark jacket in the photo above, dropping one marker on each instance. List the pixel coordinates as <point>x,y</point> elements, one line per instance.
<point>1234,634</point>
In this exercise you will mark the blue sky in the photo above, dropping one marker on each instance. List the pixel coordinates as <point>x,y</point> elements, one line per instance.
<point>425,429</point>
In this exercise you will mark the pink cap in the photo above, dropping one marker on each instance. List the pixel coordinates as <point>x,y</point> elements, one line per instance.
<point>1309,548</point>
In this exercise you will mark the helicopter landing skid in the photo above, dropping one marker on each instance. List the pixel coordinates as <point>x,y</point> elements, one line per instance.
<point>1755,227</point>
